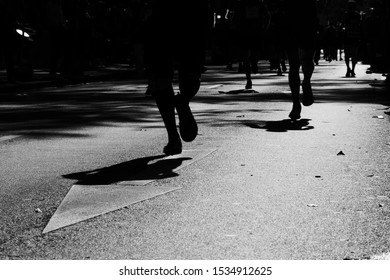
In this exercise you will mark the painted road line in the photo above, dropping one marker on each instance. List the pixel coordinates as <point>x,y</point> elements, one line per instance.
<point>215,86</point>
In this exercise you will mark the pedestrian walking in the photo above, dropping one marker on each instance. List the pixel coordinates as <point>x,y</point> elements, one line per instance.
<point>276,37</point>
<point>330,43</point>
<point>175,34</point>
<point>302,26</point>
<point>57,33</point>
<point>251,18</point>
<point>352,24</point>
<point>75,12</point>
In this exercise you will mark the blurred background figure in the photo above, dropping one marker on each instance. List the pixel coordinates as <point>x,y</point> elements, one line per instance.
<point>276,37</point>
<point>57,33</point>
<point>330,42</point>
<point>252,19</point>
<point>352,25</point>
<point>75,13</point>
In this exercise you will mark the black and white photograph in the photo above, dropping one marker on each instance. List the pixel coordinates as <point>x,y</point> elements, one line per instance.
<point>185,139</point>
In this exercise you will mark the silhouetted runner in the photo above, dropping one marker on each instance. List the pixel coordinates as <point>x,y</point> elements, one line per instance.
<point>57,32</point>
<point>352,33</point>
<point>251,18</point>
<point>175,35</point>
<point>276,37</point>
<point>302,27</point>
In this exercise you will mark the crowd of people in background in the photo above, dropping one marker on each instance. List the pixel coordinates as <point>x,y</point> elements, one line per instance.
<point>69,36</point>
<point>357,34</point>
<point>81,34</point>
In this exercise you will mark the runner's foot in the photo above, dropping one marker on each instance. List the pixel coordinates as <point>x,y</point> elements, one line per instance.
<point>187,124</point>
<point>307,96</point>
<point>248,85</point>
<point>295,113</point>
<point>173,148</point>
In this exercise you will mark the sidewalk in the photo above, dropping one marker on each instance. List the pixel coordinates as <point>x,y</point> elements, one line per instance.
<point>41,78</point>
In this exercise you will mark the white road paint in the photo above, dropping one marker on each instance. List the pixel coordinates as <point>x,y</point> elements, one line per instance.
<point>87,201</point>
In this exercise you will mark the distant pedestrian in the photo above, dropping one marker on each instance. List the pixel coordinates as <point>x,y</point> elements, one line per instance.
<point>330,43</point>
<point>175,34</point>
<point>374,38</point>
<point>302,27</point>
<point>352,25</point>
<point>276,37</point>
<point>75,12</point>
<point>57,33</point>
<point>252,18</point>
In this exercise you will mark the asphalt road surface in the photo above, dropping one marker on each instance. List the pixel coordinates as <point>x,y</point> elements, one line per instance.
<point>82,175</point>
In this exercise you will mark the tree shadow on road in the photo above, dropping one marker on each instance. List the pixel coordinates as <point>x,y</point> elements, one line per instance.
<point>281,126</point>
<point>117,103</point>
<point>146,168</point>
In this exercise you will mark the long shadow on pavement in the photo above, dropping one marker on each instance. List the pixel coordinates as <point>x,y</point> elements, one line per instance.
<point>281,126</point>
<point>146,168</point>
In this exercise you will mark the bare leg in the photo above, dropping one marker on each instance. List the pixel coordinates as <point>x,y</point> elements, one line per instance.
<point>189,83</point>
<point>347,55</point>
<point>354,60</point>
<point>307,63</point>
<point>307,57</point>
<point>294,81</point>
<point>164,96</point>
<point>247,67</point>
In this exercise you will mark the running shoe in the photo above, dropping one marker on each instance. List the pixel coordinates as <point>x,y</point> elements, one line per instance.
<point>295,113</point>
<point>188,127</point>
<point>173,148</point>
<point>307,96</point>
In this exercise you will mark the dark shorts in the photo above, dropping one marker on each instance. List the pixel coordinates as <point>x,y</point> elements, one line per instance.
<point>174,40</point>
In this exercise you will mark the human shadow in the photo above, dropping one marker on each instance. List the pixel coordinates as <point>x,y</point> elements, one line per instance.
<point>146,168</point>
<point>281,126</point>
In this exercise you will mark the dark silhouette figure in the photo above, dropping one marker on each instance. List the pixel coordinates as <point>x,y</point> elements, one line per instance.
<point>8,20</point>
<point>302,27</point>
<point>276,37</point>
<point>251,18</point>
<point>57,33</point>
<point>330,43</point>
<point>374,38</point>
<point>75,16</point>
<point>352,33</point>
<point>175,33</point>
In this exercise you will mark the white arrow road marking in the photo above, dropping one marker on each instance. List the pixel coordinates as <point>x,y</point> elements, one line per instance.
<point>87,201</point>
